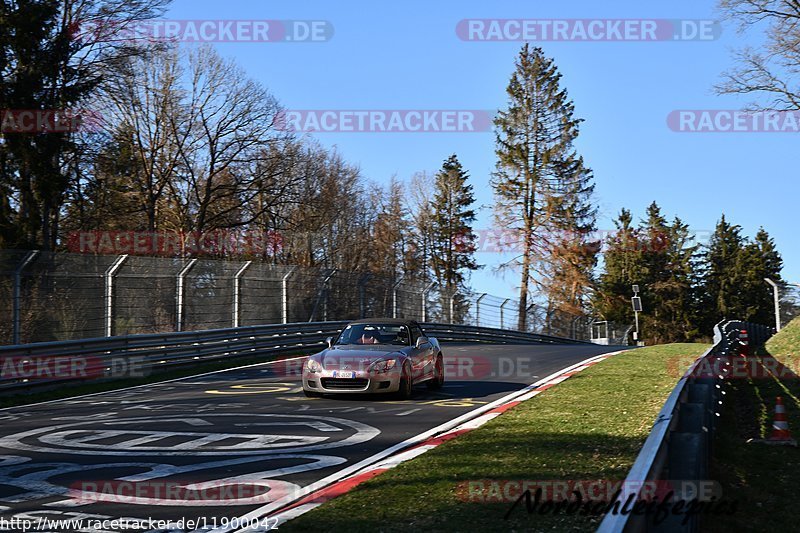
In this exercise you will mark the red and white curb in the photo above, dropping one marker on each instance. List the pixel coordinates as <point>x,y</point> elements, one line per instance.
<point>324,490</point>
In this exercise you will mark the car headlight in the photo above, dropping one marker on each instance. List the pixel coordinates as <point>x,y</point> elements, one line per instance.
<point>313,366</point>
<point>384,366</point>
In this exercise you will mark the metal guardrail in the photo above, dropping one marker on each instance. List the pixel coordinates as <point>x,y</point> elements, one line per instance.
<point>30,367</point>
<point>679,445</point>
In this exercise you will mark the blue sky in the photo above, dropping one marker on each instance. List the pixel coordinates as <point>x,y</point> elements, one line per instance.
<point>407,56</point>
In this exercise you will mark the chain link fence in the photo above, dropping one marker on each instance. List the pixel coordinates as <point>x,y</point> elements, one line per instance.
<point>790,302</point>
<point>62,296</point>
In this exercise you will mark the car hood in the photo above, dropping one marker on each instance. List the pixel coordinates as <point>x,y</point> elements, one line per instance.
<point>354,357</point>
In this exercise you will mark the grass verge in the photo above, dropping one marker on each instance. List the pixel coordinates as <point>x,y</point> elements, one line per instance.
<point>70,391</point>
<point>761,478</point>
<point>589,427</point>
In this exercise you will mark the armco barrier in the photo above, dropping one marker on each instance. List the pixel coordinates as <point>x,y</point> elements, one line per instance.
<point>109,358</point>
<point>679,445</point>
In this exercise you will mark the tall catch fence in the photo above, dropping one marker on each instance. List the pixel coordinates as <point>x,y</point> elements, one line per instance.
<point>50,296</point>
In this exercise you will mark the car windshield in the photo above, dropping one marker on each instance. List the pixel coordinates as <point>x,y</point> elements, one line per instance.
<point>396,334</point>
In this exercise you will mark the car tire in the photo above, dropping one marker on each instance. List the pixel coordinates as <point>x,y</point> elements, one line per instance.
<point>406,384</point>
<point>312,394</point>
<point>438,374</point>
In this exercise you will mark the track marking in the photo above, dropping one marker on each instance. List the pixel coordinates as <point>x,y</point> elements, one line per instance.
<point>154,384</point>
<point>362,467</point>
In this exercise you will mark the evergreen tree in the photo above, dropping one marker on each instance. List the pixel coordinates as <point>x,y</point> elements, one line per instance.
<point>722,277</point>
<point>760,261</point>
<point>568,275</point>
<point>452,238</point>
<point>660,257</point>
<point>37,74</point>
<point>668,290</point>
<point>623,266</point>
<point>541,185</point>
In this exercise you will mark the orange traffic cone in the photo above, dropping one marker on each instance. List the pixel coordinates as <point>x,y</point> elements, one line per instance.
<point>780,427</point>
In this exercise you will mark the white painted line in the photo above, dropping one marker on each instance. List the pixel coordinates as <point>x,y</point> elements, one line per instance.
<point>364,464</point>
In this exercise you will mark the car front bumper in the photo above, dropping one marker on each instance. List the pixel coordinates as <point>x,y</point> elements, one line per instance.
<point>361,383</point>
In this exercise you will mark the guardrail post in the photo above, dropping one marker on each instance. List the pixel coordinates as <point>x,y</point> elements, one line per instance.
<point>425,300</point>
<point>109,303</point>
<point>17,321</point>
<point>285,296</point>
<point>478,309</point>
<point>236,283</point>
<point>179,294</point>
<point>394,295</point>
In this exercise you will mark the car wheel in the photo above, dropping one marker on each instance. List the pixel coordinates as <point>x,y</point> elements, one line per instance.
<point>438,374</point>
<point>312,394</point>
<point>406,383</point>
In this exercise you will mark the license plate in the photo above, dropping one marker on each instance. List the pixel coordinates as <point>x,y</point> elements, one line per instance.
<point>343,374</point>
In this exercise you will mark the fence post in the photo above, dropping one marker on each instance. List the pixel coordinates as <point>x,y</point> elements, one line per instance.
<point>527,313</point>
<point>362,295</point>
<point>17,321</point>
<point>452,307</point>
<point>394,295</point>
<point>478,309</point>
<point>179,300</point>
<point>285,296</point>
<point>502,305</point>
<point>575,327</point>
<point>425,300</point>
<point>236,283</point>
<point>109,304</point>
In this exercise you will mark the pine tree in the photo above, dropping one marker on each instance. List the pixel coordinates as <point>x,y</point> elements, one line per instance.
<point>660,257</point>
<point>541,185</point>
<point>453,240</point>
<point>722,273</point>
<point>668,290</point>
<point>38,74</point>
<point>623,266</point>
<point>761,261</point>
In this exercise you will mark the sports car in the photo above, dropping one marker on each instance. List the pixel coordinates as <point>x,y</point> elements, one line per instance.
<point>381,355</point>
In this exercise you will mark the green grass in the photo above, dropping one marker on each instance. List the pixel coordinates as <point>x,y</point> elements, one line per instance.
<point>785,346</point>
<point>70,391</point>
<point>588,427</point>
<point>764,479</point>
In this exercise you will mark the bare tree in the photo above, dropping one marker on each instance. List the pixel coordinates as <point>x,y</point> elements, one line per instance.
<point>421,191</point>
<point>770,70</point>
<point>232,130</point>
<point>144,102</point>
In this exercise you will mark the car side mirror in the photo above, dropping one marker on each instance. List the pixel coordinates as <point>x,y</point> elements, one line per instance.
<point>329,341</point>
<point>421,341</point>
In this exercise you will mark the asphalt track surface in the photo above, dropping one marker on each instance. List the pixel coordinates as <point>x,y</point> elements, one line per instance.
<point>213,447</point>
